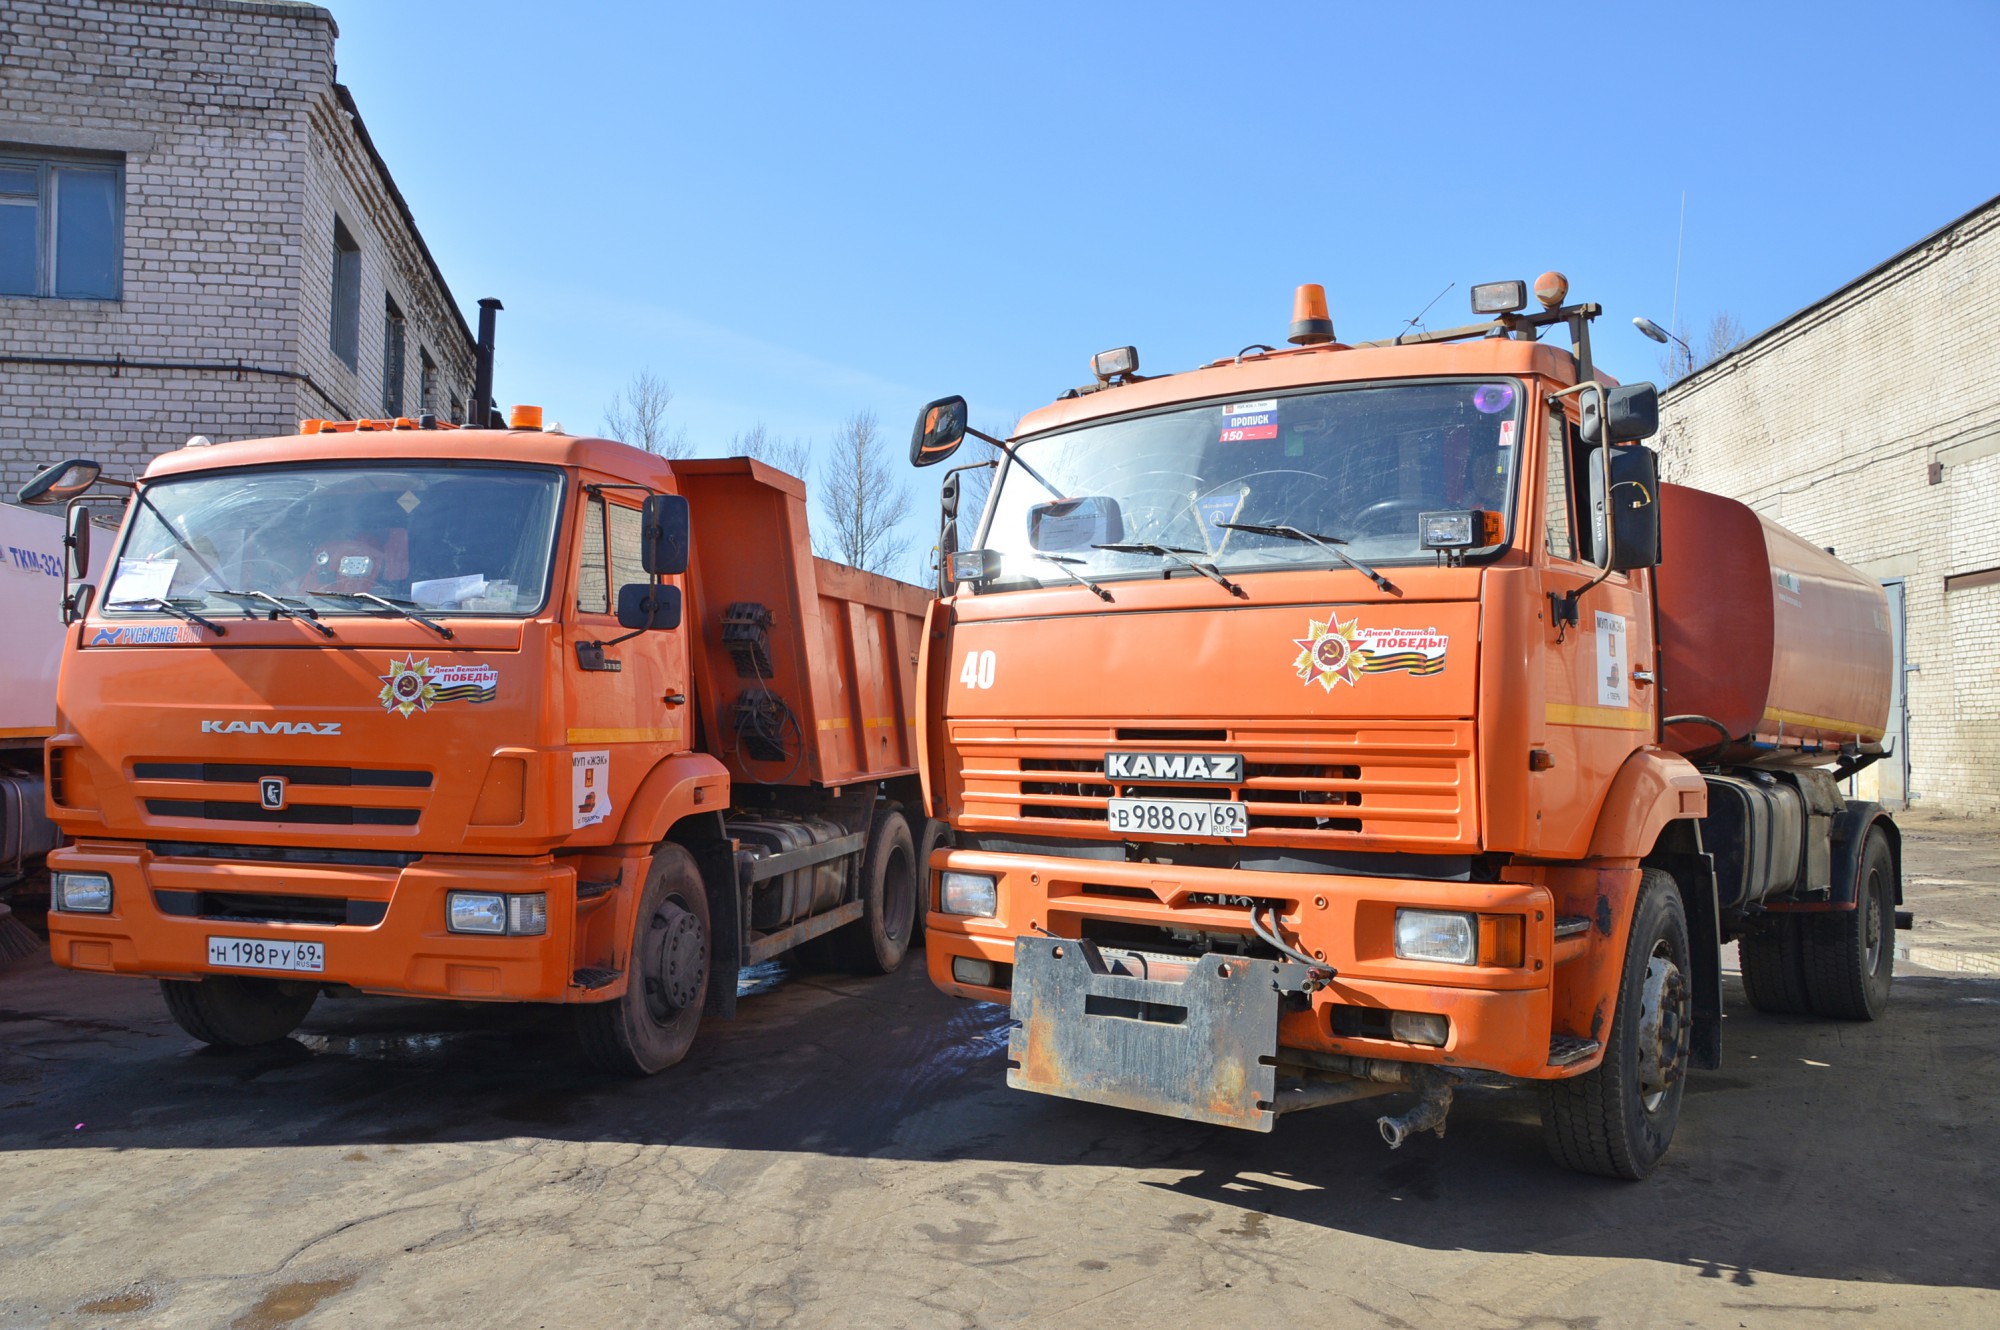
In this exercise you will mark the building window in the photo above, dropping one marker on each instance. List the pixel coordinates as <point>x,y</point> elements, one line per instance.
<point>610,560</point>
<point>427,381</point>
<point>457,409</point>
<point>346,296</point>
<point>393,358</point>
<point>62,228</point>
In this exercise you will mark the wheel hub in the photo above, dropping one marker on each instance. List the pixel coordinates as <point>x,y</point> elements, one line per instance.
<point>1663,1030</point>
<point>678,968</point>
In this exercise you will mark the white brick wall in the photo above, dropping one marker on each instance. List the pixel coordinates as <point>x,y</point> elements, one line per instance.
<point>237,153</point>
<point>1828,424</point>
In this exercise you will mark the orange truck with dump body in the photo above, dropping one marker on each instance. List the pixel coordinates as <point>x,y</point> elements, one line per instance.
<point>1310,727</point>
<point>489,714</point>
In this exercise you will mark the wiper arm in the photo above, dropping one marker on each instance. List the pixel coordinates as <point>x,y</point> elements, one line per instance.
<point>303,613</point>
<point>168,607</point>
<point>1331,544</point>
<point>1208,570</point>
<point>1064,564</point>
<point>406,609</point>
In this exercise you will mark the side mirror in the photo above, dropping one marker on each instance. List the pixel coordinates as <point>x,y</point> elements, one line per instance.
<point>1075,524</point>
<point>61,482</point>
<point>940,429</point>
<point>1633,410</point>
<point>663,540</point>
<point>77,604</point>
<point>644,605</point>
<point>76,545</point>
<point>948,496</point>
<point>1634,507</point>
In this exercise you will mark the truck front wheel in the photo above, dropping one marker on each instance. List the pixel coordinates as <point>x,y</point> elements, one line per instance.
<point>233,1012</point>
<point>652,1025</point>
<point>1617,1120</point>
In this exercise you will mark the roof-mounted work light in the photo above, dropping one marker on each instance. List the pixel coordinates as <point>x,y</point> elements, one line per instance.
<point>1499,297</point>
<point>1121,362</point>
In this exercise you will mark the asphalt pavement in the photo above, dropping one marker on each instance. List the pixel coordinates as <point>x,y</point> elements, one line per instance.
<point>846,1153</point>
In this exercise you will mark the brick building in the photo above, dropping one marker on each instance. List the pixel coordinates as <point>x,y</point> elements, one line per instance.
<point>1870,422</point>
<point>198,237</point>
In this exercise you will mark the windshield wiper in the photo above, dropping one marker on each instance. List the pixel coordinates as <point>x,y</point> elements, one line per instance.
<point>303,613</point>
<point>1064,563</point>
<point>1331,544</point>
<point>1208,570</point>
<point>406,609</point>
<point>169,607</point>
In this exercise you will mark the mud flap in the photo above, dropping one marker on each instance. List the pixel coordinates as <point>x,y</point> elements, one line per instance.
<point>1195,1040</point>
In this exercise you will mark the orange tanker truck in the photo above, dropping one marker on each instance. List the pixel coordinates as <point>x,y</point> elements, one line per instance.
<point>489,714</point>
<point>1339,720</point>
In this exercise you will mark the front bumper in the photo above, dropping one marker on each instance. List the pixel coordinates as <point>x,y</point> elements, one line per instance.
<point>408,952</point>
<point>1499,1015</point>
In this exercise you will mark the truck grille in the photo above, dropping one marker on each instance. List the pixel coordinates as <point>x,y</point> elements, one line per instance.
<point>1333,784</point>
<point>228,792</point>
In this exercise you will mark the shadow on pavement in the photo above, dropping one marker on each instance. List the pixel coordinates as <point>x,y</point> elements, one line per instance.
<point>1807,1155</point>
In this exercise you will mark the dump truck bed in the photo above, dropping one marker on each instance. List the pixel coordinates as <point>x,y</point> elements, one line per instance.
<point>804,669</point>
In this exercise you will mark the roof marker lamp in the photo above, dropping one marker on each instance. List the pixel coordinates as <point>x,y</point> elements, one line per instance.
<point>1499,297</point>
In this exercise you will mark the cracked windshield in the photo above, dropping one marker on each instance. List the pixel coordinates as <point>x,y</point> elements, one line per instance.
<point>1352,468</point>
<point>342,540</point>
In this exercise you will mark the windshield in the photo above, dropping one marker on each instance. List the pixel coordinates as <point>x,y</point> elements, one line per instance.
<point>442,539</point>
<point>1353,466</point>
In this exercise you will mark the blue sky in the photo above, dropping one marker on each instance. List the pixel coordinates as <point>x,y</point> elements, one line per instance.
<point>793,212</point>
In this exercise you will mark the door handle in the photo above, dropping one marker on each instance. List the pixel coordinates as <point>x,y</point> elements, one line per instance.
<point>1643,678</point>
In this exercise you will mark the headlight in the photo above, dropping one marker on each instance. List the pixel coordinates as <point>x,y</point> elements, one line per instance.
<point>475,912</point>
<point>82,893</point>
<point>972,970</point>
<point>525,915</point>
<point>969,893</point>
<point>1437,935</point>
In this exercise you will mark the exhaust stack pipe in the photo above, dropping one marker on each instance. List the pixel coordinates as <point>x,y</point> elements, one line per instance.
<point>480,414</point>
<point>1434,1088</point>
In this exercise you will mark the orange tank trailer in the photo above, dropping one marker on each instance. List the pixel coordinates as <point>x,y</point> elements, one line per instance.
<point>498,715</point>
<point>1298,723</point>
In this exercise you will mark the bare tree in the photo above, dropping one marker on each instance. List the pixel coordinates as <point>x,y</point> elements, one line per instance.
<point>638,416</point>
<point>789,455</point>
<point>1684,355</point>
<point>863,499</point>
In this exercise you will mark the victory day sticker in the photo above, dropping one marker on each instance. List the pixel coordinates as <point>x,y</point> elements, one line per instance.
<point>1250,420</point>
<point>1333,652</point>
<point>413,685</point>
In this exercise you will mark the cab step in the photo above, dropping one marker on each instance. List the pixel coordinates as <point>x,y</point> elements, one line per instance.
<point>1567,1049</point>
<point>592,978</point>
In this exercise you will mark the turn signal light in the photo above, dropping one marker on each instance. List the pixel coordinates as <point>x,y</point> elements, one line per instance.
<point>525,417</point>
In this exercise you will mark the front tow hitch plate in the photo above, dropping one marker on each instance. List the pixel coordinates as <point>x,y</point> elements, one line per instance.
<point>1199,1044</point>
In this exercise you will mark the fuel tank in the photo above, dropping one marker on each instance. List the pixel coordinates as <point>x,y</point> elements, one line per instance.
<point>1780,649</point>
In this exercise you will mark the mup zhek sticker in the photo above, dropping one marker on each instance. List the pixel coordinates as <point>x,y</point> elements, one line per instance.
<point>1333,652</point>
<point>413,685</point>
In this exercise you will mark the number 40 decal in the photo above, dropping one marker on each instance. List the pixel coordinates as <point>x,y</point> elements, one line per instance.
<point>978,671</point>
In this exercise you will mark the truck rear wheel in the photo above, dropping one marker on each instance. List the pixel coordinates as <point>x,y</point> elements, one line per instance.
<point>1850,957</point>
<point>230,1011</point>
<point>652,1025</point>
<point>877,942</point>
<point>1773,960</point>
<point>1617,1120</point>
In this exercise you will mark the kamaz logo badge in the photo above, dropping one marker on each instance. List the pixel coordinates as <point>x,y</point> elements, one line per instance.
<point>271,792</point>
<point>1193,768</point>
<point>270,727</point>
